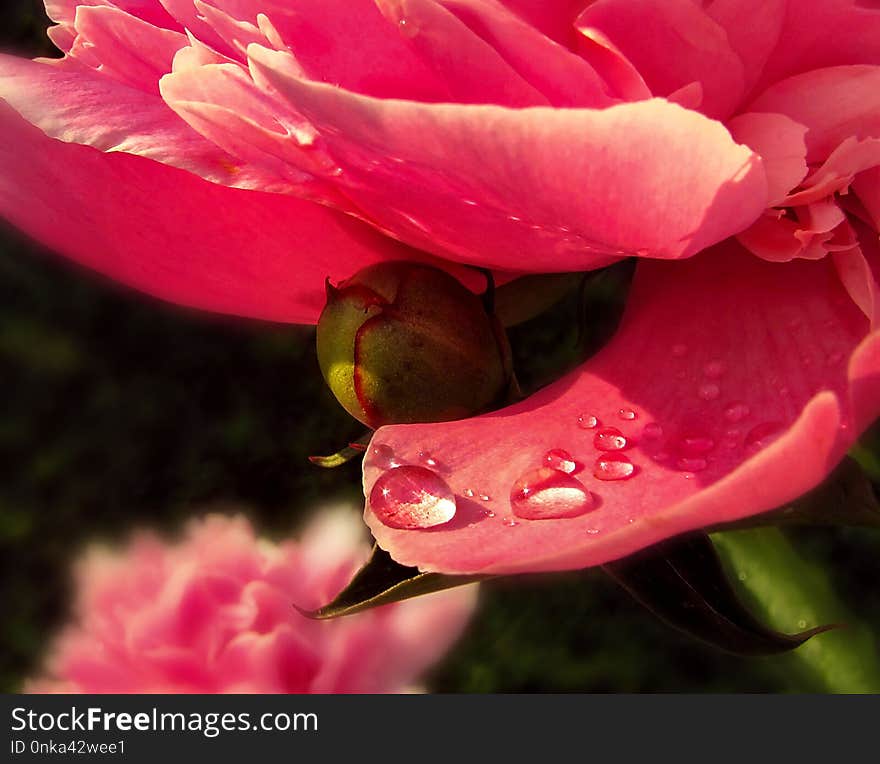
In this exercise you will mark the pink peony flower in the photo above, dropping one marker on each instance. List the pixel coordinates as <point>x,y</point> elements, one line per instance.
<point>213,613</point>
<point>231,155</point>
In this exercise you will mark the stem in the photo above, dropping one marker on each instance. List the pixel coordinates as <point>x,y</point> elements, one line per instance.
<point>793,594</point>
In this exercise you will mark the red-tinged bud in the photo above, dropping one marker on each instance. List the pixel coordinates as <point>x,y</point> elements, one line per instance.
<point>401,343</point>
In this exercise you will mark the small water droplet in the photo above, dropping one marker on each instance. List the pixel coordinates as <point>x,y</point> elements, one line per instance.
<point>694,444</point>
<point>490,513</point>
<point>613,467</point>
<point>687,475</point>
<point>736,411</point>
<point>714,369</point>
<point>469,492</point>
<point>802,623</point>
<point>626,414</point>
<point>426,459</point>
<point>609,439</point>
<point>743,577</point>
<point>679,350</point>
<point>412,498</point>
<point>762,435</point>
<point>382,455</point>
<point>511,523</point>
<point>708,391</point>
<point>560,459</point>
<point>548,494</point>
<point>691,464</point>
<point>652,431</point>
<point>592,531</point>
<point>485,497</point>
<point>587,422</point>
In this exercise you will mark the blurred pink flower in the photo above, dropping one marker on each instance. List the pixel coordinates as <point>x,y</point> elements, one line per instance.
<point>233,154</point>
<point>213,613</point>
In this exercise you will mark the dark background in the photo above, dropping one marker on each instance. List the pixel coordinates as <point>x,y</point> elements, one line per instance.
<point>121,411</point>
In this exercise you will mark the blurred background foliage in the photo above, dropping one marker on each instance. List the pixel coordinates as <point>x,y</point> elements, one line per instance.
<point>120,411</point>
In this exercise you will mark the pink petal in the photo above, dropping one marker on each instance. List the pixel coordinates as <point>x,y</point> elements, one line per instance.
<point>835,104</point>
<point>151,11</point>
<point>753,29</point>
<point>837,173</point>
<point>821,33</point>
<point>176,236</point>
<point>779,141</point>
<point>536,189</point>
<point>615,68</point>
<point>672,44</point>
<point>78,106</point>
<point>471,69</point>
<point>867,186</point>
<point>554,18</point>
<point>563,77</point>
<point>725,353</point>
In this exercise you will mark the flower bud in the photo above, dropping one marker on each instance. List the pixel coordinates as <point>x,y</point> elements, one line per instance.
<point>401,343</point>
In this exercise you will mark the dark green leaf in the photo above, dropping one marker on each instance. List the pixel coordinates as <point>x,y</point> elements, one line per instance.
<point>382,581</point>
<point>683,583</point>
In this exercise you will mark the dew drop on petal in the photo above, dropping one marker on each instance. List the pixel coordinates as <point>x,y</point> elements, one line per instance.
<point>626,414</point>
<point>609,439</point>
<point>762,436</point>
<point>587,422</point>
<point>412,498</point>
<point>547,494</point>
<point>736,411</point>
<point>652,431</point>
<point>485,497</point>
<point>382,455</point>
<point>708,391</point>
<point>511,523</point>
<point>694,444</point>
<point>469,492</point>
<point>691,464</point>
<point>426,459</point>
<point>560,459</point>
<point>613,467</point>
<point>714,369</point>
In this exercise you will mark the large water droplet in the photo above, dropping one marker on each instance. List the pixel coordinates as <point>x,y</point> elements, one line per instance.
<point>763,435</point>
<point>736,411</point>
<point>560,459</point>
<point>626,414</point>
<point>587,422</point>
<point>609,439</point>
<point>548,494</point>
<point>708,391</point>
<point>411,498</point>
<point>613,467</point>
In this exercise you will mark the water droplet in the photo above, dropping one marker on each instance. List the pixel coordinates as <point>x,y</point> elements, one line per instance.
<point>485,497</point>
<point>736,411</point>
<point>627,414</point>
<point>802,623</point>
<point>547,494</point>
<point>762,436</point>
<point>592,531</point>
<point>426,459</point>
<point>382,455</point>
<point>587,422</point>
<point>559,459</point>
<point>411,498</point>
<point>613,467</point>
<point>609,439</point>
<point>743,576</point>
<point>714,369</point>
<point>469,492</point>
<point>694,444</point>
<point>510,523</point>
<point>709,391</point>
<point>691,464</point>
<point>490,513</point>
<point>679,350</point>
<point>652,431</point>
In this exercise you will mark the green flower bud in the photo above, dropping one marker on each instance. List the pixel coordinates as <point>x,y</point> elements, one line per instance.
<point>401,343</point>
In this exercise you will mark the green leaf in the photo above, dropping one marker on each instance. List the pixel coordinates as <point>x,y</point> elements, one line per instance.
<point>683,582</point>
<point>382,581</point>
<point>339,458</point>
<point>791,592</point>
